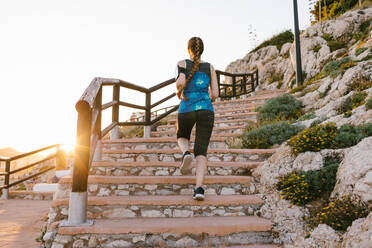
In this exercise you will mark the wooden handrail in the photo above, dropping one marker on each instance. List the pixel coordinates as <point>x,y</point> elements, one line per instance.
<point>8,172</point>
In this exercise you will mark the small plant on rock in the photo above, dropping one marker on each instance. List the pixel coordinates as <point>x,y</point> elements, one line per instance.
<point>314,138</point>
<point>305,186</point>
<point>317,48</point>
<point>369,103</point>
<point>307,116</point>
<point>361,50</point>
<point>359,84</point>
<point>351,103</point>
<point>284,107</point>
<point>339,214</point>
<point>333,68</point>
<point>349,135</point>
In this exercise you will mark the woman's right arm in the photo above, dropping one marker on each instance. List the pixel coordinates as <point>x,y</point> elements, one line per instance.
<point>214,85</point>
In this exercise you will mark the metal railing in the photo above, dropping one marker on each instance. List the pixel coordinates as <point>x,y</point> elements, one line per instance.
<point>89,132</point>
<point>60,163</point>
<point>241,84</point>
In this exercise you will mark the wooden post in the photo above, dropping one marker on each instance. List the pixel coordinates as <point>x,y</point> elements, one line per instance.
<point>245,85</point>
<point>98,126</point>
<point>219,84</point>
<point>147,127</point>
<point>234,86</point>
<point>115,112</point>
<point>252,82</point>
<point>5,191</point>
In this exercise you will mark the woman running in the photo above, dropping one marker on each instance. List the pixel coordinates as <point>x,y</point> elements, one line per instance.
<point>196,87</point>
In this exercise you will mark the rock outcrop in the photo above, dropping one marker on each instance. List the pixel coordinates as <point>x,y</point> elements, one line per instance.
<point>322,94</point>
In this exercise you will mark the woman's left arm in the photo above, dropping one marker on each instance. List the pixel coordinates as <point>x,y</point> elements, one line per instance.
<point>181,79</point>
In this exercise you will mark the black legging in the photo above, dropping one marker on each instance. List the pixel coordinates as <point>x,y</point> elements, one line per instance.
<point>204,125</point>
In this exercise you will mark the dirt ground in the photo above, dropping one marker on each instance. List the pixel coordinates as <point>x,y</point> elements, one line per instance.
<point>21,222</point>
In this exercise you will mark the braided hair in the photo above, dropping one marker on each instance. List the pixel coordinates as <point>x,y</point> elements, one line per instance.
<point>196,46</point>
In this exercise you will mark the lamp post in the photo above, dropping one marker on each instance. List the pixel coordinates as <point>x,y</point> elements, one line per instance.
<point>298,48</point>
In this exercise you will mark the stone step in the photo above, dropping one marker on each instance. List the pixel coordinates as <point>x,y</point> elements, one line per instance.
<point>161,206</point>
<point>172,155</point>
<point>265,92</point>
<point>30,195</point>
<point>216,130</point>
<point>109,168</point>
<point>160,185</point>
<point>236,107</point>
<point>217,124</point>
<point>260,98</point>
<point>158,143</point>
<point>169,232</point>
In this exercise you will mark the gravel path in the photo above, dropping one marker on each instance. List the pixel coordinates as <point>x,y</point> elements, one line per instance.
<point>21,222</point>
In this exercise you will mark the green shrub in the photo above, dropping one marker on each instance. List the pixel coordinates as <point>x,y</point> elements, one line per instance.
<point>369,103</point>
<point>268,135</point>
<point>351,103</point>
<point>339,214</point>
<point>359,84</point>
<point>307,116</point>
<point>317,48</point>
<point>348,65</point>
<point>277,40</point>
<point>333,68</point>
<point>284,107</point>
<point>293,82</point>
<point>363,31</point>
<point>308,82</point>
<point>276,77</point>
<point>361,50</point>
<point>349,135</point>
<point>314,138</point>
<point>335,45</point>
<point>305,186</point>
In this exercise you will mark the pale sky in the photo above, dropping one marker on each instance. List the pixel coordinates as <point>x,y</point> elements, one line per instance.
<point>51,50</point>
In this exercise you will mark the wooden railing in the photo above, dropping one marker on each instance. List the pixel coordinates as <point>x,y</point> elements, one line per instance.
<point>241,84</point>
<point>89,109</point>
<point>89,131</point>
<point>60,163</point>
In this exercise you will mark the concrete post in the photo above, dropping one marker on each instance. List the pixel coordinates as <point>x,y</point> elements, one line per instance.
<point>147,131</point>
<point>114,134</point>
<point>5,194</point>
<point>77,214</point>
<point>98,151</point>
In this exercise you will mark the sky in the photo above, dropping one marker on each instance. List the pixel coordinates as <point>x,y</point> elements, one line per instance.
<point>51,50</point>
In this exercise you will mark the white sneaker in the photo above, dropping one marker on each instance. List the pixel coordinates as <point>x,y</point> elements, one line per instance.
<point>186,163</point>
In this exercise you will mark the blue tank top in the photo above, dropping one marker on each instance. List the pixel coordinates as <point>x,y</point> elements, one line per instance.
<point>196,90</point>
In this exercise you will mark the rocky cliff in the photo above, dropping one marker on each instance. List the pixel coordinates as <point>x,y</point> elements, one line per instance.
<point>337,63</point>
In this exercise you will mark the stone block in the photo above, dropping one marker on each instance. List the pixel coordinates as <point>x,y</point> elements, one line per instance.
<point>119,213</point>
<point>182,213</point>
<point>78,244</point>
<point>151,213</point>
<point>117,244</point>
<point>228,191</point>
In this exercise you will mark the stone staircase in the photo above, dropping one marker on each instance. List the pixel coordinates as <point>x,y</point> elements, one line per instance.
<point>138,198</point>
